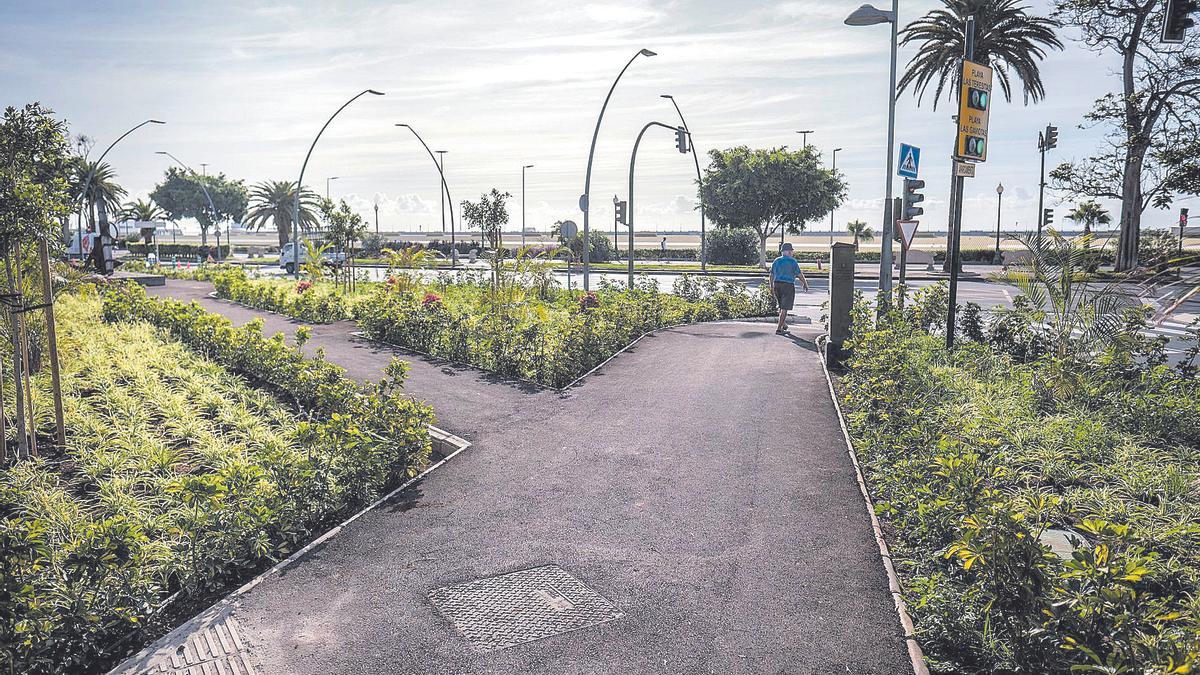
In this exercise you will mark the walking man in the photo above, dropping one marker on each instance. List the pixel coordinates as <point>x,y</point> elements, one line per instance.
<point>784,271</point>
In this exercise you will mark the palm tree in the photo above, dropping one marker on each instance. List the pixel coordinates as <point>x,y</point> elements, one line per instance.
<point>1091,214</point>
<point>102,189</point>
<point>144,212</point>
<point>272,202</point>
<point>1006,39</point>
<point>861,232</point>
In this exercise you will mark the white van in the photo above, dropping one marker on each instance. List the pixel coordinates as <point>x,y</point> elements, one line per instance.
<point>287,258</point>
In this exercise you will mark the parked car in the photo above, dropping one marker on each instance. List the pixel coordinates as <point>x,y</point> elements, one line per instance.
<point>287,258</point>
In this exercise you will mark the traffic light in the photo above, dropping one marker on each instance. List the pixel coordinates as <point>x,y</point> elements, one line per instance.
<point>909,209</point>
<point>977,98</point>
<point>1050,139</point>
<point>1047,217</point>
<point>1183,218</point>
<point>681,140</point>
<point>1176,20</point>
<point>973,146</point>
<point>621,206</point>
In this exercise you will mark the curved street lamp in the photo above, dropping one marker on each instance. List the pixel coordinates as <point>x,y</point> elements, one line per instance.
<point>868,15</point>
<point>212,209</point>
<point>629,212</point>
<point>587,181</point>
<point>300,181</point>
<point>835,152</point>
<point>453,243</point>
<point>523,167</point>
<point>87,184</point>
<point>696,157</point>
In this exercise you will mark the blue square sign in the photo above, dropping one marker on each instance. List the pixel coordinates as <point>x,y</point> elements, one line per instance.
<point>910,159</point>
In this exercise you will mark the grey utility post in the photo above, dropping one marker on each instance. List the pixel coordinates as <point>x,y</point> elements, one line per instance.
<point>841,298</point>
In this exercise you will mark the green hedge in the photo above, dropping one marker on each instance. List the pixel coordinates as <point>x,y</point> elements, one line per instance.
<point>179,478</point>
<point>165,251</point>
<point>970,455</point>
<point>300,300</point>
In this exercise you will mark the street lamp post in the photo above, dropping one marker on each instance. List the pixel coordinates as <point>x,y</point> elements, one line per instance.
<point>999,199</point>
<point>445,187</point>
<point>629,210</point>
<point>441,162</point>
<point>868,15</point>
<point>87,183</point>
<point>696,157</point>
<point>300,180</point>
<point>587,181</point>
<point>527,166</point>
<point>211,208</point>
<point>835,152</point>
<point>804,135</point>
<point>327,179</point>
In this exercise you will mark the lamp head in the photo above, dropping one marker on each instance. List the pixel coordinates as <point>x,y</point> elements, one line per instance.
<point>647,52</point>
<point>156,121</point>
<point>401,124</point>
<point>1000,188</point>
<point>160,152</point>
<point>837,149</point>
<point>527,166</point>
<point>869,15</point>
<point>666,96</point>
<point>377,93</point>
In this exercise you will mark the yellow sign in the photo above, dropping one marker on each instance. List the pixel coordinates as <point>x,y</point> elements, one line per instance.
<point>975,100</point>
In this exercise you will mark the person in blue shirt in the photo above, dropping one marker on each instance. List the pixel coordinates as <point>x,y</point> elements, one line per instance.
<point>784,271</point>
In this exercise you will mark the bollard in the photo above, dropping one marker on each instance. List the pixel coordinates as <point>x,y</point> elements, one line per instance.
<point>841,298</point>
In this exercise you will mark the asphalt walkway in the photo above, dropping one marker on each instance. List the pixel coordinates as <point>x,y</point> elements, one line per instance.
<point>699,482</point>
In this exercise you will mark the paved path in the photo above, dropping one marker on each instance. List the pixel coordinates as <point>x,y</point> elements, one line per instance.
<point>698,481</point>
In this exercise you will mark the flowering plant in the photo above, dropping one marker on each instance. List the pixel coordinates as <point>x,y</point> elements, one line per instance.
<point>302,286</point>
<point>431,301</point>
<point>589,300</point>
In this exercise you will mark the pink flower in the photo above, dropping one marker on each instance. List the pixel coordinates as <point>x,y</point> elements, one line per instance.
<point>588,301</point>
<point>302,286</point>
<point>431,301</point>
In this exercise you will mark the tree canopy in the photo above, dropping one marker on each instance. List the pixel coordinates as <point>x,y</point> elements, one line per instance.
<point>35,186</point>
<point>765,190</point>
<point>181,195</point>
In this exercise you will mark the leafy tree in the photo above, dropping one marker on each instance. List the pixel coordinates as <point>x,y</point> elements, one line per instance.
<point>1007,38</point>
<point>35,172</point>
<point>860,231</point>
<point>343,229</point>
<point>1091,214</point>
<point>143,211</point>
<point>181,195</point>
<point>766,190</point>
<point>490,215</point>
<point>732,246</point>
<point>1154,112</point>
<point>272,201</point>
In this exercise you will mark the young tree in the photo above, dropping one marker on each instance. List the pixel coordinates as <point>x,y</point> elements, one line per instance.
<point>272,202</point>
<point>35,175</point>
<point>181,196</point>
<point>1156,110</point>
<point>490,215</point>
<point>1007,38</point>
<point>343,228</point>
<point>143,212</point>
<point>766,190</point>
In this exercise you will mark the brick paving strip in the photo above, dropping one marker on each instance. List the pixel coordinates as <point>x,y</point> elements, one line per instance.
<point>691,507</point>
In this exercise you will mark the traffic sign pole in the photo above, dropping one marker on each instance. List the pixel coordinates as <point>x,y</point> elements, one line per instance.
<point>956,228</point>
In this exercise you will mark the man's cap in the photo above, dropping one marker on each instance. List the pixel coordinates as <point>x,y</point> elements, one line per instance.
<point>786,247</point>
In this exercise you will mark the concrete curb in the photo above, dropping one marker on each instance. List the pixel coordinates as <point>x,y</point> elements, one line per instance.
<point>166,645</point>
<point>915,654</point>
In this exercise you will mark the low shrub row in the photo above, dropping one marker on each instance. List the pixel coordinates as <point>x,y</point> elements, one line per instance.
<point>973,455</point>
<point>551,341</point>
<point>193,251</point>
<point>302,300</point>
<point>179,478</point>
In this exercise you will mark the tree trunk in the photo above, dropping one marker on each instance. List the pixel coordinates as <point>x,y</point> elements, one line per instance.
<point>203,235</point>
<point>284,232</point>
<point>1131,208</point>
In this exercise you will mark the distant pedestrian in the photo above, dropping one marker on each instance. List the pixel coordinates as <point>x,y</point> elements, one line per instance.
<point>784,271</point>
<point>662,249</point>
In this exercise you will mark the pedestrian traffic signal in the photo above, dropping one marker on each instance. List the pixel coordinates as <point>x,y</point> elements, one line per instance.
<point>977,98</point>
<point>1183,218</point>
<point>1050,138</point>
<point>1176,20</point>
<point>1047,217</point>
<point>681,140</point>
<point>973,147</point>
<point>621,215</point>
<point>909,209</point>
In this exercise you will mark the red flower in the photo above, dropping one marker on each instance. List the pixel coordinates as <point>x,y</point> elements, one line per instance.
<point>302,286</point>
<point>431,301</point>
<point>588,301</point>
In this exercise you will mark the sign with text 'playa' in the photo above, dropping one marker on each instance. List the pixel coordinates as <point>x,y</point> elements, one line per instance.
<point>974,104</point>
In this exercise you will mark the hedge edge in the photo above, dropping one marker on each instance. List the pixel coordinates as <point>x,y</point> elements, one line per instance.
<point>166,644</point>
<point>915,654</point>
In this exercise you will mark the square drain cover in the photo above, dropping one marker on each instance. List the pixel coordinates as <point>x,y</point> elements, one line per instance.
<point>511,609</point>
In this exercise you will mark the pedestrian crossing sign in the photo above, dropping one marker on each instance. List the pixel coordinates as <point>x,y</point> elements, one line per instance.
<point>910,160</point>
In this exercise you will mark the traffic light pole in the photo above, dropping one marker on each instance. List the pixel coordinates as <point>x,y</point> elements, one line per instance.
<point>1041,187</point>
<point>956,226</point>
<point>629,208</point>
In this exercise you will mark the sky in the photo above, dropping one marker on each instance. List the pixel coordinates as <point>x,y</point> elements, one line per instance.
<point>245,86</point>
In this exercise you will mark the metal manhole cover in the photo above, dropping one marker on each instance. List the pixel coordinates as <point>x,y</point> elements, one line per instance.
<point>511,609</point>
